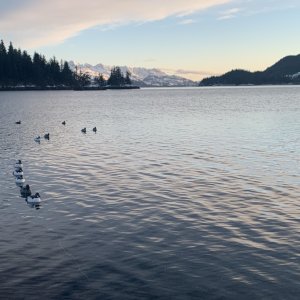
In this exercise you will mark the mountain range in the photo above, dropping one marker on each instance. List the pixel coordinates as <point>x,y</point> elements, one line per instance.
<point>140,76</point>
<point>285,71</point>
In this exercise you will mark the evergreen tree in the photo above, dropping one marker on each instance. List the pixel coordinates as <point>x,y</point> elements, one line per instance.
<point>82,79</point>
<point>19,68</point>
<point>54,76</point>
<point>67,75</point>
<point>27,67</point>
<point>116,77</point>
<point>39,70</point>
<point>3,64</point>
<point>100,81</point>
<point>12,73</point>
<point>127,78</point>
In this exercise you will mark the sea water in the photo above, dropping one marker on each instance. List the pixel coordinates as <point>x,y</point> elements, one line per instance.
<point>181,194</point>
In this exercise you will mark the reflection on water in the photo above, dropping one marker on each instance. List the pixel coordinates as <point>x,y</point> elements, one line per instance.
<point>181,194</point>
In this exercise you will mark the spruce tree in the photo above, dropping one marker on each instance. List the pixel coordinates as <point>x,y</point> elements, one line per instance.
<point>54,76</point>
<point>100,81</point>
<point>12,73</point>
<point>27,67</point>
<point>39,70</point>
<point>127,78</point>
<point>67,75</point>
<point>116,77</point>
<point>3,64</point>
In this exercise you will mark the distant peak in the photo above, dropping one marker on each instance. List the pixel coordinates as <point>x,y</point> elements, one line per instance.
<point>149,76</point>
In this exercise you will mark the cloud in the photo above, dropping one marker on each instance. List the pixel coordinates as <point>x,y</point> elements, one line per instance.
<point>42,22</point>
<point>187,22</point>
<point>190,74</point>
<point>229,14</point>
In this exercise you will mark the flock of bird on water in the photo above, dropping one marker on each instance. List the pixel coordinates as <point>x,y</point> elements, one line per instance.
<point>33,200</point>
<point>47,135</point>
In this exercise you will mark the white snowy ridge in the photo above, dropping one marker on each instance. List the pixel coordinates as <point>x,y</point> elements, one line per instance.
<point>141,76</point>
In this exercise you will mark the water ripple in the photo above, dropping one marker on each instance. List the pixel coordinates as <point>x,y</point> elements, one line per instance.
<point>181,194</point>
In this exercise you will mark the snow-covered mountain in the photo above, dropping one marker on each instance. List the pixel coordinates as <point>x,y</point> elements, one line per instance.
<point>140,76</point>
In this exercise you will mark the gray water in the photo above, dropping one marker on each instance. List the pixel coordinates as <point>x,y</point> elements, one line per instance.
<point>181,194</point>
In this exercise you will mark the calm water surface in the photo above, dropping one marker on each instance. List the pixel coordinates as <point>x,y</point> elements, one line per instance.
<point>181,194</point>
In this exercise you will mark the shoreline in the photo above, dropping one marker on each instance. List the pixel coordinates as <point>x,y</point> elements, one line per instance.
<point>25,89</point>
<point>91,88</point>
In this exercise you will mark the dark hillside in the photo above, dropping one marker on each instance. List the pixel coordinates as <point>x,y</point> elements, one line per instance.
<point>285,71</point>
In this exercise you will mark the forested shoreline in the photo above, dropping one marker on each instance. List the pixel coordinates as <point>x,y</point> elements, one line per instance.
<point>20,71</point>
<point>285,71</point>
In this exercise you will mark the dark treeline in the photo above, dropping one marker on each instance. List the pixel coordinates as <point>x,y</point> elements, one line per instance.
<point>18,68</point>
<point>242,77</point>
<point>116,78</point>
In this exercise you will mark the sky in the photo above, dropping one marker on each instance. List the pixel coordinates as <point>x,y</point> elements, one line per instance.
<point>189,38</point>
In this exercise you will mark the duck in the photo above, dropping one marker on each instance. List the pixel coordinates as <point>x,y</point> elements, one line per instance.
<point>18,122</point>
<point>64,123</point>
<point>95,129</point>
<point>20,179</point>
<point>47,136</point>
<point>83,130</point>
<point>37,139</point>
<point>18,164</point>
<point>36,198</point>
<point>25,191</point>
<point>18,172</point>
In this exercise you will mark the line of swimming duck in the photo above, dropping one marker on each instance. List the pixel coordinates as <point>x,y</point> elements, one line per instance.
<point>25,191</point>
<point>83,130</point>
<point>47,135</point>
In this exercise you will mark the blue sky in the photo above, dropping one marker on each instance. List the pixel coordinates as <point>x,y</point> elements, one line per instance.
<point>192,38</point>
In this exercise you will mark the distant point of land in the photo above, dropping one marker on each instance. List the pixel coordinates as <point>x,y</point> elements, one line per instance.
<point>21,72</point>
<point>285,71</point>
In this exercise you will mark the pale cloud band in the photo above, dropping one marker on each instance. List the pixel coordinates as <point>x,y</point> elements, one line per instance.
<point>190,74</point>
<point>43,22</point>
<point>229,14</point>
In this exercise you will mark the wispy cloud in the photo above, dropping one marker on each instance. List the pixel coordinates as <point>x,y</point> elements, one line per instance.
<point>246,8</point>
<point>187,22</point>
<point>39,23</point>
<point>229,14</point>
<point>190,74</point>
